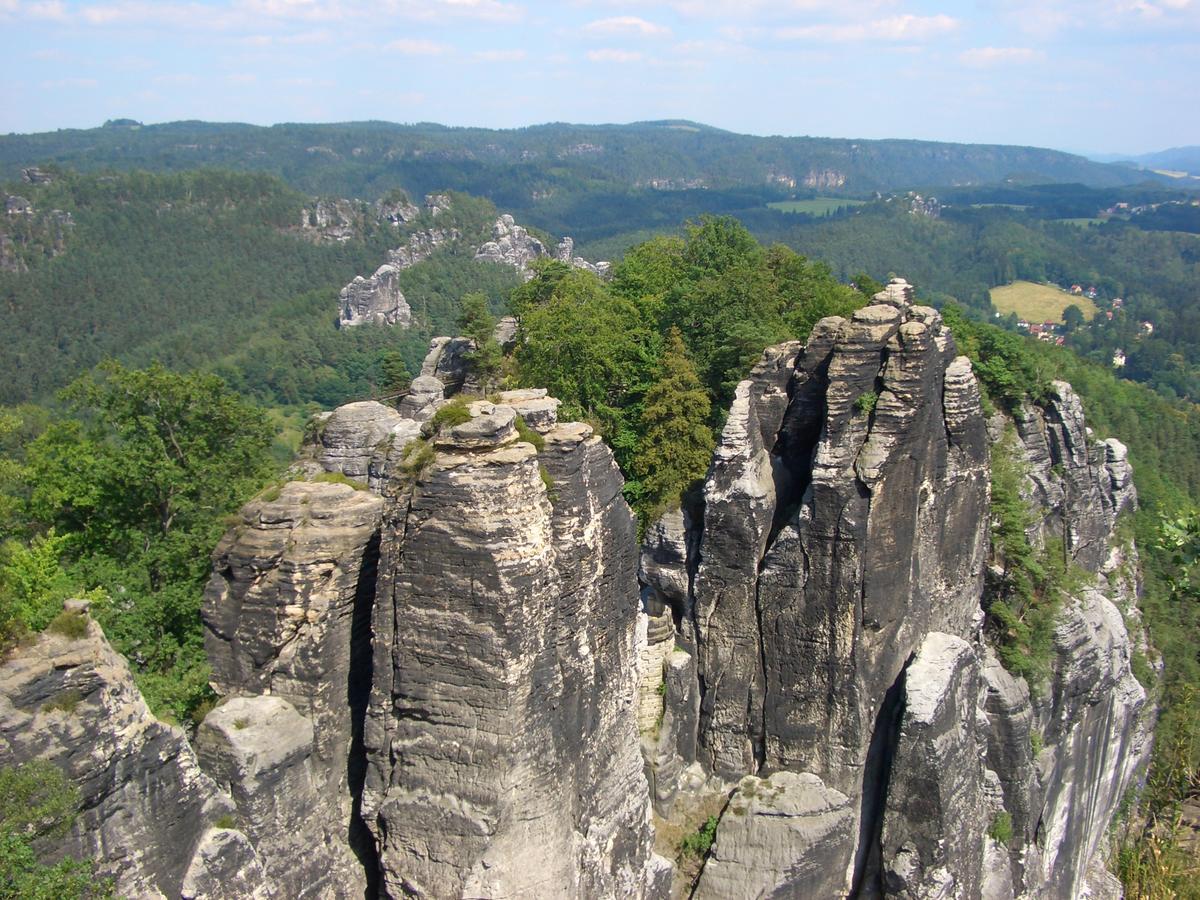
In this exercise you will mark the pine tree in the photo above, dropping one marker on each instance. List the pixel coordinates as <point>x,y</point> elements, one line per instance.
<point>678,444</point>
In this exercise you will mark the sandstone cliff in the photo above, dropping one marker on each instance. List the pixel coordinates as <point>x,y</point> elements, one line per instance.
<point>447,671</point>
<point>827,595</point>
<point>151,819</point>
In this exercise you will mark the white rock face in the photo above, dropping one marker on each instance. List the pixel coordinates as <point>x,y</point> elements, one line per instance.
<point>377,300</point>
<point>513,245</point>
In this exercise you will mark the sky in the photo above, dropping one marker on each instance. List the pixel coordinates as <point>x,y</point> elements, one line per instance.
<point>1116,76</point>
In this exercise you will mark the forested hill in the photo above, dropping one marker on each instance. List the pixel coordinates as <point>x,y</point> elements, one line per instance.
<point>513,167</point>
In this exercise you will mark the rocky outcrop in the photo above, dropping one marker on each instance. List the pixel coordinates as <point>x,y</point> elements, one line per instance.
<point>147,810</point>
<point>377,300</point>
<point>287,630</point>
<point>1074,478</point>
<point>934,822</point>
<point>501,732</point>
<point>830,617</point>
<point>783,836</point>
<point>513,245</point>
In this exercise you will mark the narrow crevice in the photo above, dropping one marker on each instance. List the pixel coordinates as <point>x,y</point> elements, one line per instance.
<point>868,856</point>
<point>358,693</point>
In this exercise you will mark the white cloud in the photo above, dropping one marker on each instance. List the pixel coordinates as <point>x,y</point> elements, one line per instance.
<point>993,56</point>
<point>626,25</point>
<point>500,55</point>
<point>905,27</point>
<point>51,10</point>
<point>613,55</point>
<point>418,47</point>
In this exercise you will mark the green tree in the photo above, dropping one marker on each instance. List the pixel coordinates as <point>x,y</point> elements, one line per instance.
<point>477,322</point>
<point>591,350</point>
<point>395,372</point>
<point>1072,317</point>
<point>37,806</point>
<point>677,442</point>
<point>139,481</point>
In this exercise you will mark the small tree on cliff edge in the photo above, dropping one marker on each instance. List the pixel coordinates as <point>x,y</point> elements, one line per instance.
<point>477,323</point>
<point>677,442</point>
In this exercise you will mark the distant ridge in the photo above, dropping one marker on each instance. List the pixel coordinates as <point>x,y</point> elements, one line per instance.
<point>367,158</point>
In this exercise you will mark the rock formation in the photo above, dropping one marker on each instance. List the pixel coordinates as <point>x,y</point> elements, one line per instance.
<point>287,629</point>
<point>513,245</point>
<point>446,671</point>
<point>501,732</point>
<point>378,300</point>
<point>826,595</point>
<point>149,815</point>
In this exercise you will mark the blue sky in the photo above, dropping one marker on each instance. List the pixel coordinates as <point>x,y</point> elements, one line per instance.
<point>1088,75</point>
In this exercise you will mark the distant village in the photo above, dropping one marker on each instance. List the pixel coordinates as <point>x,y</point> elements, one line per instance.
<point>1056,332</point>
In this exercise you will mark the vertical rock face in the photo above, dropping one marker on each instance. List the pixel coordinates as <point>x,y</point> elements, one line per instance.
<point>833,602</point>
<point>837,532</point>
<point>933,826</point>
<point>287,614</point>
<point>147,808</point>
<point>501,732</point>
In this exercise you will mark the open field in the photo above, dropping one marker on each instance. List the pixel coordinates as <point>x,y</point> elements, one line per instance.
<point>818,206</point>
<point>1038,302</point>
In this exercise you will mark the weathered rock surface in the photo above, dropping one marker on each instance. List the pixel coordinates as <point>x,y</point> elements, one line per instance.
<point>501,734</point>
<point>513,245</point>
<point>934,821</point>
<point>147,808</point>
<point>784,836</point>
<point>831,609</point>
<point>287,614</point>
<point>377,300</point>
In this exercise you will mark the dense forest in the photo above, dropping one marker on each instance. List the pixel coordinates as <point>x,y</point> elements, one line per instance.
<point>514,167</point>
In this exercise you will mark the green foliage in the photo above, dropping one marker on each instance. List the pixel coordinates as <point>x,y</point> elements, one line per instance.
<point>416,457</point>
<point>129,494</point>
<point>447,416</point>
<point>602,348</point>
<point>476,322</point>
<point>66,702</point>
<point>529,435</point>
<point>339,478</point>
<point>700,842</point>
<point>1023,606</point>
<point>241,723</point>
<point>548,483</point>
<point>676,443</point>
<point>70,624</point>
<point>1036,742</point>
<point>225,821</point>
<point>865,403</point>
<point>37,806</point>
<point>1001,829</point>
<point>33,584</point>
<point>1003,362</point>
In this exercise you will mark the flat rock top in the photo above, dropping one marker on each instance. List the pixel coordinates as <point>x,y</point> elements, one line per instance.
<point>522,395</point>
<point>928,680</point>
<point>879,314</point>
<point>790,794</point>
<point>263,731</point>
<point>317,500</point>
<point>569,433</point>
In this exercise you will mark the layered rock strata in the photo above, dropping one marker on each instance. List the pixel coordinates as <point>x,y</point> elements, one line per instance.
<point>149,816</point>
<point>501,733</point>
<point>827,592</point>
<point>377,300</point>
<point>287,630</point>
